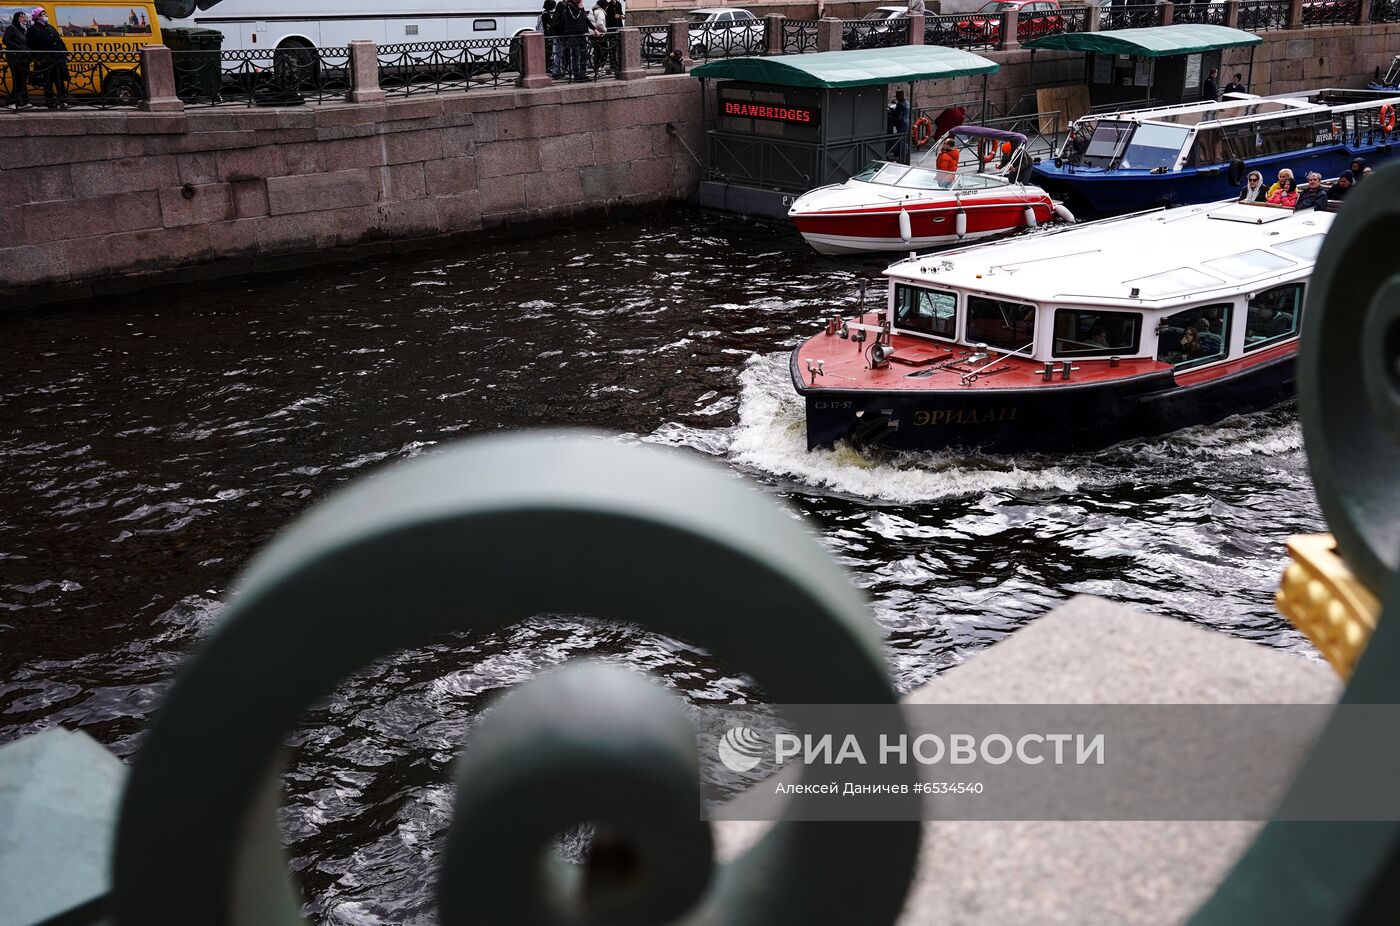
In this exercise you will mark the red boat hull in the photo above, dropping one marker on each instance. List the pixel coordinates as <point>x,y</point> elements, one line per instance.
<point>876,228</point>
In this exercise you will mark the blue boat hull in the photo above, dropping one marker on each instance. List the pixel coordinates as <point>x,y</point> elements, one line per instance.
<point>1095,191</point>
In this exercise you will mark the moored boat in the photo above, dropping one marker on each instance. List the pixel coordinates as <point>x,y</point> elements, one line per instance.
<point>1072,339</point>
<point>894,207</point>
<point>1201,152</point>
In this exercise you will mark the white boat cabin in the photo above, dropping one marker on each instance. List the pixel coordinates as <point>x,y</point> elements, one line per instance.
<point>1190,287</point>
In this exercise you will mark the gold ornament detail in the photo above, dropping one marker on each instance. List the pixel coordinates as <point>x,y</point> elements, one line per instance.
<point>1326,602</point>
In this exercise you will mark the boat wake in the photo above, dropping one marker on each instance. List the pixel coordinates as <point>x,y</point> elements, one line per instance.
<point>769,440</point>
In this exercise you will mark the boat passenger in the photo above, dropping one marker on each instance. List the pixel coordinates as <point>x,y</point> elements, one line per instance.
<point>948,156</point>
<point>1283,172</point>
<point>1236,85</point>
<point>1364,174</point>
<point>1312,196</point>
<point>1286,196</point>
<point>1207,341</point>
<point>1345,181</point>
<point>1253,191</point>
<point>1359,170</point>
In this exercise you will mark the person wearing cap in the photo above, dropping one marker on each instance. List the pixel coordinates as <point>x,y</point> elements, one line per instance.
<point>1359,170</point>
<point>51,59</point>
<point>1254,191</point>
<point>1313,195</point>
<point>17,58</point>
<point>1236,85</point>
<point>1345,181</point>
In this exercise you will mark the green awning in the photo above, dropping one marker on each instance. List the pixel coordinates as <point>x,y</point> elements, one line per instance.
<point>1152,42</point>
<point>855,68</point>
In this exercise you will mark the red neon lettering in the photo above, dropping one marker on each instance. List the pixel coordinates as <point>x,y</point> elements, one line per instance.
<point>776,113</point>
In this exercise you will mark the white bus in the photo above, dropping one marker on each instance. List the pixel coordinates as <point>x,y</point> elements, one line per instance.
<point>269,24</point>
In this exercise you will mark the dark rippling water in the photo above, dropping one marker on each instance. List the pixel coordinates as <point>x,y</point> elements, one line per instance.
<point>148,447</point>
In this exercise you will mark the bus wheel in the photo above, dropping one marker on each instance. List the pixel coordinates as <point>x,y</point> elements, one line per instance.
<point>296,64</point>
<point>122,89</point>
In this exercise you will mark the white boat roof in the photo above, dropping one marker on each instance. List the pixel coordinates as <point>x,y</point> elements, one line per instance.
<point>1245,108</point>
<point>1171,257</point>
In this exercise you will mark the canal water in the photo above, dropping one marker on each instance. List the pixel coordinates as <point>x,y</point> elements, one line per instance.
<point>149,446</point>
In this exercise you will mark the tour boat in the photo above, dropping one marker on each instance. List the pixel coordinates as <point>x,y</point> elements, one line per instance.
<point>894,207</point>
<point>1070,339</point>
<point>1200,152</point>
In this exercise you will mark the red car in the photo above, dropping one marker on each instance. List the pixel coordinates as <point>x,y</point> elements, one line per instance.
<point>1034,18</point>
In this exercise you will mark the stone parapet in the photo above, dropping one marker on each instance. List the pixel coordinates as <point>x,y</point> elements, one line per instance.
<point>364,73</point>
<point>630,43</point>
<point>916,29</point>
<point>158,75</point>
<point>828,34</point>
<point>773,34</point>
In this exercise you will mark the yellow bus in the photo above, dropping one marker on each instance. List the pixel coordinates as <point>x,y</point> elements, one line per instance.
<point>104,42</point>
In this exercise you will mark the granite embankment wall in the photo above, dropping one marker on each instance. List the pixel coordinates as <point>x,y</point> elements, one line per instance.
<point>94,203</point>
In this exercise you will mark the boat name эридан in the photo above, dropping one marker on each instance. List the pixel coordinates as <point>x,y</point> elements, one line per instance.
<point>964,416</point>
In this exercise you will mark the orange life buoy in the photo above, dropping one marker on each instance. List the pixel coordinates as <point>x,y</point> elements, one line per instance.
<point>922,131</point>
<point>1388,117</point>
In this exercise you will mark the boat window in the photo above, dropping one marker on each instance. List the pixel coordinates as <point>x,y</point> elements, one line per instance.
<point>918,179</point>
<point>1197,335</point>
<point>1171,282</point>
<point>1302,248</point>
<point>978,182</point>
<point>890,173</point>
<point>1154,146</point>
<point>1273,316</point>
<point>997,323</point>
<point>1247,264</point>
<point>869,173</point>
<point>1104,142</point>
<point>1092,333</point>
<point>930,311</point>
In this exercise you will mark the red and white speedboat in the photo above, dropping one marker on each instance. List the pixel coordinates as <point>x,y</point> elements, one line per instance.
<point>894,207</point>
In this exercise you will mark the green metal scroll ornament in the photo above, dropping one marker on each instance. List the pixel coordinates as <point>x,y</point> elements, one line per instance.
<point>1334,873</point>
<point>481,536</point>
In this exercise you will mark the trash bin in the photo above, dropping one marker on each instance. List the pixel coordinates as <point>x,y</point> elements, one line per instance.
<point>198,64</point>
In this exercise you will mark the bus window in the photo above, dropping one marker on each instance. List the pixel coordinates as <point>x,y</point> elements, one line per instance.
<point>1197,335</point>
<point>483,25</point>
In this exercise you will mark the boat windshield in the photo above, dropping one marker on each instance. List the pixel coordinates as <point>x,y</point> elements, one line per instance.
<point>1145,147</point>
<point>917,178</point>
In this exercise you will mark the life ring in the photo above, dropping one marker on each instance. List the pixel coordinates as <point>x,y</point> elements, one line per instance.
<point>1238,171</point>
<point>1388,117</point>
<point>922,131</point>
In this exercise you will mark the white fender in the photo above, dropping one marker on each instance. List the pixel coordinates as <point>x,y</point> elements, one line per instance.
<point>1031,221</point>
<point>1064,213</point>
<point>906,229</point>
<point>960,223</point>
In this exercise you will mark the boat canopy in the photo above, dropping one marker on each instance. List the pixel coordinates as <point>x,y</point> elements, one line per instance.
<point>832,70</point>
<point>1152,42</point>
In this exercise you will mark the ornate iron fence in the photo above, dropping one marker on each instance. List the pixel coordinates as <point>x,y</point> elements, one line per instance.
<point>799,36</point>
<point>99,79</point>
<point>874,33</point>
<point>1211,14</point>
<point>1074,19</point>
<point>1331,13</point>
<point>262,77</point>
<point>656,45</point>
<point>961,30</point>
<point>438,67</point>
<point>1263,15</point>
<point>730,40</point>
<point>584,57</point>
<point>1385,11</point>
<point>1131,16</point>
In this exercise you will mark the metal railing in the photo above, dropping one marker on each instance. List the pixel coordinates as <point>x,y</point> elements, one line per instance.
<point>1385,11</point>
<point>1210,14</point>
<point>265,77</point>
<point>1263,15</point>
<point>1331,13</point>
<point>435,67</point>
<point>874,33</point>
<point>101,79</point>
<point>1131,16</point>
<point>730,41</point>
<point>1074,19</point>
<point>584,57</point>
<point>799,36</point>
<point>961,30</point>
<point>656,45</point>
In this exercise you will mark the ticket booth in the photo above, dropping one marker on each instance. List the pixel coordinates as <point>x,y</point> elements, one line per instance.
<point>1166,65</point>
<point>780,126</point>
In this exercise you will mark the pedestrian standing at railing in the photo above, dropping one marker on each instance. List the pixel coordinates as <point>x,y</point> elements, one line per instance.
<point>916,6</point>
<point>573,29</point>
<point>17,58</point>
<point>553,45</point>
<point>52,64</point>
<point>616,14</point>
